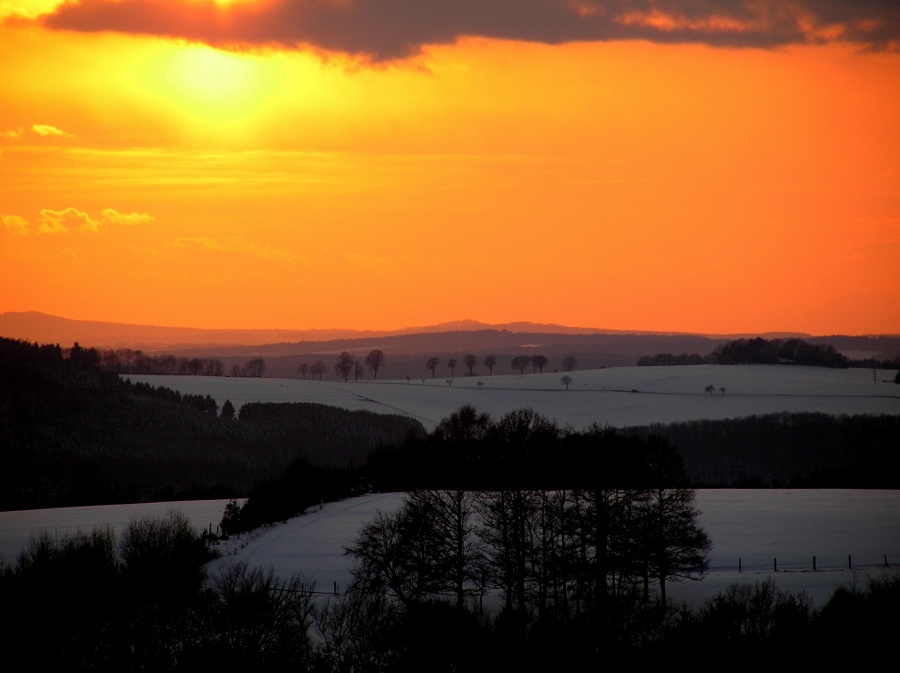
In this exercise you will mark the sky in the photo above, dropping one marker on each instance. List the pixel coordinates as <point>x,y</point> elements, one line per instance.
<point>663,165</point>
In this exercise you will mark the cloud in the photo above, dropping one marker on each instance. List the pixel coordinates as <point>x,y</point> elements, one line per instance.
<point>47,130</point>
<point>71,219</point>
<point>55,221</point>
<point>15,224</point>
<point>393,29</point>
<point>112,216</point>
<point>236,244</point>
<point>11,133</point>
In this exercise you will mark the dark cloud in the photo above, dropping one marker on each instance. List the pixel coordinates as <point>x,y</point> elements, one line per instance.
<point>392,29</point>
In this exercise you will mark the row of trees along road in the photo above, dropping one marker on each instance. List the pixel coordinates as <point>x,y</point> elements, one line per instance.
<point>347,365</point>
<point>520,362</point>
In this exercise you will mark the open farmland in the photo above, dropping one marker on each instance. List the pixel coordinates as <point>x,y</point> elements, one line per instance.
<point>617,397</point>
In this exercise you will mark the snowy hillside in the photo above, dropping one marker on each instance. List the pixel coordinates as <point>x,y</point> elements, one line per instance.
<point>618,397</point>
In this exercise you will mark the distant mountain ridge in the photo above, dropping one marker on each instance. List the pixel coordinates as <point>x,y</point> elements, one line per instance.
<point>45,328</point>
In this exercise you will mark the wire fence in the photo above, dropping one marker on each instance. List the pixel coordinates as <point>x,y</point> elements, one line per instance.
<point>756,563</point>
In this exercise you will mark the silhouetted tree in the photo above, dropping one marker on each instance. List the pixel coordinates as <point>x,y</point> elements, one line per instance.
<point>432,364</point>
<point>538,362</point>
<point>261,620</point>
<point>671,542</point>
<point>520,362</point>
<point>566,380</point>
<point>470,361</point>
<point>447,520</point>
<point>303,368</point>
<point>254,367</point>
<point>317,369</point>
<point>569,363</point>
<point>344,365</point>
<point>489,362</point>
<point>451,365</point>
<point>227,410</point>
<point>463,427</point>
<point>374,360</point>
<point>390,556</point>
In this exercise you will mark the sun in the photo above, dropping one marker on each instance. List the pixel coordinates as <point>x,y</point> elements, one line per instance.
<point>207,74</point>
<point>210,86</point>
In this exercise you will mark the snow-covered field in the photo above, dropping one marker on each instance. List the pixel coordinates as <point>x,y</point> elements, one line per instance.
<point>617,396</point>
<point>756,528</point>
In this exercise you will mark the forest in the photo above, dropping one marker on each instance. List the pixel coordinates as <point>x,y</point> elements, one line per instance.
<point>74,434</point>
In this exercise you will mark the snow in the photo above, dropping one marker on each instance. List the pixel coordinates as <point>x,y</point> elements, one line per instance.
<point>617,396</point>
<point>755,528</point>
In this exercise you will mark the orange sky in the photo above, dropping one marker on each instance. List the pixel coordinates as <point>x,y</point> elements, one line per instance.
<point>645,171</point>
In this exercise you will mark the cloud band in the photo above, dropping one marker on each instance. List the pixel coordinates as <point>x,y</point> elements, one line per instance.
<point>395,29</point>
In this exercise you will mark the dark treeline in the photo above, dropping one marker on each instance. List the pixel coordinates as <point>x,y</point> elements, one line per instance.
<point>469,451</point>
<point>72,433</point>
<point>759,351</point>
<point>128,361</point>
<point>796,450</point>
<point>523,449</point>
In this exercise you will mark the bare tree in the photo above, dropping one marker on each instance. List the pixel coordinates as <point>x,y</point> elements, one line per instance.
<point>374,360</point>
<point>538,362</point>
<point>432,365</point>
<point>675,546</point>
<point>303,368</point>
<point>385,558</point>
<point>710,389</point>
<point>448,521</point>
<point>451,364</point>
<point>255,367</point>
<point>470,361</point>
<point>569,363</point>
<point>566,380</point>
<point>318,369</point>
<point>344,365</point>
<point>520,362</point>
<point>489,362</point>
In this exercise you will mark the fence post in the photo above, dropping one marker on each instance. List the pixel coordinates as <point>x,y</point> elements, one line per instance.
<point>775,563</point>
<point>849,562</point>
<point>739,564</point>
<point>335,589</point>
<point>814,562</point>
<point>886,564</point>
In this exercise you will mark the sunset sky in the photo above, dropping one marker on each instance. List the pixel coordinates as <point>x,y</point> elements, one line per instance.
<point>673,165</point>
